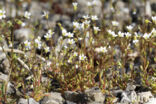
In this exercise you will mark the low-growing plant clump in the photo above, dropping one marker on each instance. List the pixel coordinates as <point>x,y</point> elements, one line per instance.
<point>37,56</point>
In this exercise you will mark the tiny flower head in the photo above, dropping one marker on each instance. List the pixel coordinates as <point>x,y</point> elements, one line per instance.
<point>96,29</point>
<point>95,2</point>
<point>75,54</point>
<point>120,34</point>
<point>76,66</point>
<point>130,27</point>
<point>48,34</point>
<point>38,42</point>
<point>82,57</point>
<point>2,14</point>
<point>75,5</point>
<point>27,15</point>
<point>23,24</point>
<point>153,32</point>
<point>27,45</point>
<point>154,19</point>
<point>76,25</point>
<point>70,35</point>
<point>47,49</point>
<point>127,34</point>
<point>135,41</point>
<point>71,41</point>
<point>115,23</point>
<point>86,17</point>
<point>94,17</point>
<point>86,22</point>
<point>48,63</point>
<point>101,50</point>
<point>112,33</point>
<point>45,14</point>
<point>65,47</point>
<point>146,35</point>
<point>89,4</point>
<point>82,26</point>
<point>64,32</point>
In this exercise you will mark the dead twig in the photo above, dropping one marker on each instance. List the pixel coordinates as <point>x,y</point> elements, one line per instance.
<point>20,52</point>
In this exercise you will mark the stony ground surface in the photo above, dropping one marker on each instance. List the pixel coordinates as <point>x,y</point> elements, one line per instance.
<point>62,12</point>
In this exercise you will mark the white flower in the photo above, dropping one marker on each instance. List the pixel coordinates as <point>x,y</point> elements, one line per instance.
<point>87,34</point>
<point>135,41</point>
<point>2,14</point>
<point>101,50</point>
<point>23,24</point>
<point>38,39</point>
<point>96,29</point>
<point>64,32</point>
<point>146,35</point>
<point>94,17</point>
<point>109,47</point>
<point>71,41</point>
<point>27,15</point>
<point>75,5</point>
<point>95,2</point>
<point>65,47</point>
<point>48,63</point>
<point>153,32</point>
<point>70,35</point>
<point>154,18</point>
<point>89,4</point>
<point>82,26</point>
<point>76,66</point>
<point>38,42</point>
<point>76,25</point>
<point>75,54</point>
<point>79,25</point>
<point>27,45</point>
<point>130,27</point>
<point>115,23</point>
<point>80,38</point>
<point>120,34</point>
<point>112,9</point>
<point>10,45</point>
<point>47,49</point>
<point>134,12</point>
<point>86,22</point>
<point>45,14</point>
<point>82,57</point>
<point>48,34</point>
<point>86,17</point>
<point>69,61</point>
<point>127,34</point>
<point>112,33</point>
<point>50,31</point>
